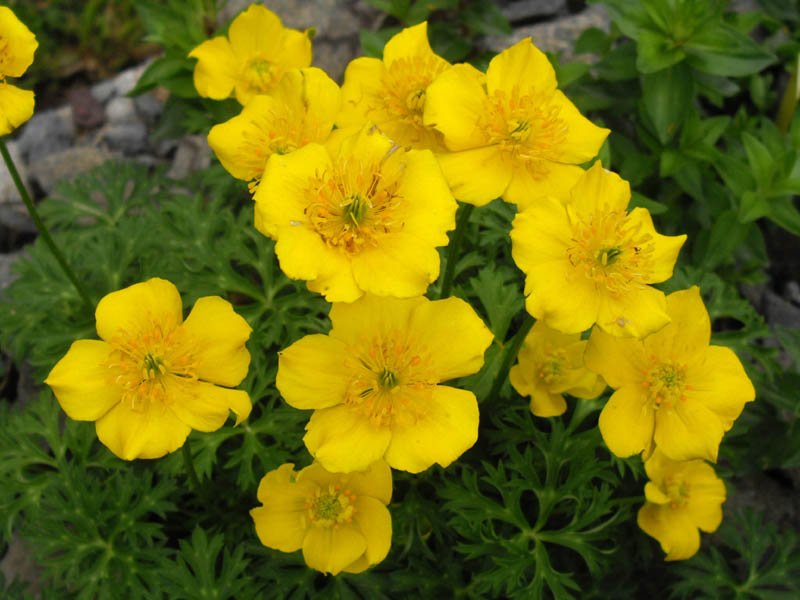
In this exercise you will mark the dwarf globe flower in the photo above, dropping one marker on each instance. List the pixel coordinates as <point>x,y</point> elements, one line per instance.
<point>391,92</point>
<point>253,57</point>
<point>373,383</point>
<point>673,389</point>
<point>682,498</point>
<point>299,110</point>
<point>551,365</point>
<point>511,132</point>
<point>587,260</point>
<point>356,215</point>
<point>154,377</point>
<point>339,520</point>
<point>17,46</point>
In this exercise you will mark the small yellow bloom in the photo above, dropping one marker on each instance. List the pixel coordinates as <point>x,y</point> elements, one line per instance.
<point>682,497</point>
<point>588,260</point>
<point>17,45</point>
<point>339,520</point>
<point>152,378</point>
<point>373,383</point>
<point>672,388</point>
<point>510,133</point>
<point>391,92</point>
<point>550,365</point>
<point>356,215</point>
<point>252,59</point>
<point>298,111</point>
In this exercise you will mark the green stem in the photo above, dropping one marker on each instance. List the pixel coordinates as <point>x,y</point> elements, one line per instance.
<point>454,247</point>
<point>40,226</point>
<point>188,462</point>
<point>512,349</point>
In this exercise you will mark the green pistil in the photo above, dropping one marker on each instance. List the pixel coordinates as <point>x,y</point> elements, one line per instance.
<point>609,255</point>
<point>387,379</point>
<point>357,209</point>
<point>327,507</point>
<point>152,364</point>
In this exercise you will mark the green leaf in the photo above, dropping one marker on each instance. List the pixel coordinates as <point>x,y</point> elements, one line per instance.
<point>668,96</point>
<point>161,70</point>
<point>762,164</point>
<point>727,234</point>
<point>723,50</point>
<point>656,52</point>
<point>372,42</point>
<point>593,41</point>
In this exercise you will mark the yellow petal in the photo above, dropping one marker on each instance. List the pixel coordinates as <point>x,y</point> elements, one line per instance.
<point>312,372</point>
<point>149,432</point>
<point>447,429</point>
<point>318,93</point>
<point>400,266</point>
<point>411,41</point>
<point>295,50</point>
<point>665,247</point>
<point>372,315</point>
<point>20,44</point>
<point>677,535</point>
<point>523,66</point>
<point>375,482</point>
<point>688,430</point>
<point>375,523</point>
<point>540,233</point>
<point>600,190</point>
<point>717,380</point>
<point>546,404</point>
<point>620,361</point>
<point>529,184</point>
<point>344,440</point>
<point>454,104</point>
<point>282,522</point>
<point>219,336</point>
<point>16,107</point>
<point>689,332</point>
<point>626,422</point>
<point>583,139</point>
<point>635,313</point>
<point>138,308</point>
<point>564,302</point>
<point>477,176</point>
<point>204,406</point>
<point>256,30</point>
<point>216,68</point>
<point>82,382</point>
<point>330,550</point>
<point>362,83</point>
<point>654,494</point>
<point>438,324</point>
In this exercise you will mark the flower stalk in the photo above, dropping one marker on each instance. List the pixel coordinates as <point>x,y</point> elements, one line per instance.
<point>452,250</point>
<point>510,354</point>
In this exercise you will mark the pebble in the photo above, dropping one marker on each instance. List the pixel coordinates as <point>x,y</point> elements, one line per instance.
<point>47,132</point>
<point>121,110</point>
<point>66,165</point>
<point>13,213</point>
<point>129,138</point>
<point>521,10</point>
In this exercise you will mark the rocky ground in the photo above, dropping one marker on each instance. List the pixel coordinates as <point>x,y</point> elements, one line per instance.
<point>99,123</point>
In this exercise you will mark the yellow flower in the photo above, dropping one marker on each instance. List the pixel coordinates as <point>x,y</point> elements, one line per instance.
<point>550,365</point>
<point>510,133</point>
<point>672,388</point>
<point>589,261</point>
<point>391,92</point>
<point>682,497</point>
<point>298,111</point>
<point>356,215</point>
<point>17,45</point>
<point>339,520</point>
<point>372,383</point>
<point>152,378</point>
<point>252,59</point>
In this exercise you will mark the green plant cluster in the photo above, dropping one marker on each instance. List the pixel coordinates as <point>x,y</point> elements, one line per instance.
<point>538,508</point>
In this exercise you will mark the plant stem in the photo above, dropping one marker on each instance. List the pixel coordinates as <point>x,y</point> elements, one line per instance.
<point>454,247</point>
<point>512,349</point>
<point>188,462</point>
<point>41,227</point>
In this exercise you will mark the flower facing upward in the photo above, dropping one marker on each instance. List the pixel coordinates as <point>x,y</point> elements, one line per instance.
<point>550,365</point>
<point>391,92</point>
<point>17,45</point>
<point>339,520</point>
<point>152,378</point>
<point>373,382</point>
<point>672,388</point>
<point>356,215</point>
<point>682,497</point>
<point>588,260</point>
<point>252,59</point>
<point>510,133</point>
<point>299,110</point>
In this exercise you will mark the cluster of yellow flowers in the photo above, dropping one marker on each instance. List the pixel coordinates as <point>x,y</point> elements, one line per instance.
<point>357,187</point>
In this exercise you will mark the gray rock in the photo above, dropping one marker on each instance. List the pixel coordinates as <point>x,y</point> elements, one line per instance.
<point>13,213</point>
<point>555,36</point>
<point>121,110</point>
<point>119,85</point>
<point>793,292</point>
<point>66,165</point>
<point>193,154</point>
<point>779,312</point>
<point>129,138</point>
<point>519,10</point>
<point>47,132</point>
<point>333,56</point>
<point>149,107</point>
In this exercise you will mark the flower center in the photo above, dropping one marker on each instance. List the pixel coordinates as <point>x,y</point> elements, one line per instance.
<point>665,384</point>
<point>678,491</point>
<point>140,363</point>
<point>404,83</point>
<point>610,251</point>
<point>260,74</point>
<point>332,506</point>
<point>354,206</point>
<point>389,384</point>
<point>551,368</point>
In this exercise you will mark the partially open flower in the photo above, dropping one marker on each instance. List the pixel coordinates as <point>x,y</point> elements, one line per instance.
<point>340,520</point>
<point>17,45</point>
